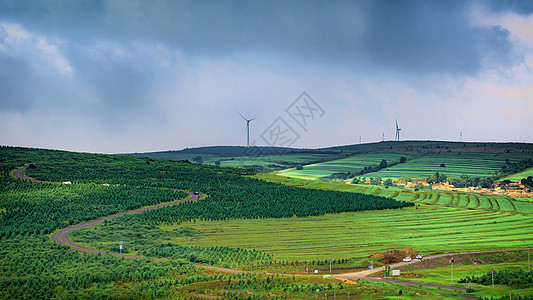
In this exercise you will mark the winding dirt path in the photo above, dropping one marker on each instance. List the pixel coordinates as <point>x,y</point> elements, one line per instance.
<point>61,237</point>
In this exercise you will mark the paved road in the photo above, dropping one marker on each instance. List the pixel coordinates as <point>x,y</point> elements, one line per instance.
<point>19,173</point>
<point>61,236</point>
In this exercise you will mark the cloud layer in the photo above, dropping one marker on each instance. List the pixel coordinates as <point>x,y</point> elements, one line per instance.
<point>123,76</point>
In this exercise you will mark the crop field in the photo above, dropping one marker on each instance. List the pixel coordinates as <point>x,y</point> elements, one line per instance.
<point>438,198</point>
<point>427,229</point>
<point>279,161</point>
<point>520,176</point>
<point>242,222</point>
<point>475,164</point>
<point>350,164</point>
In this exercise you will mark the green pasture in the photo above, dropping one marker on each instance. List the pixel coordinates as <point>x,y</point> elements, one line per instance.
<point>520,176</point>
<point>426,229</point>
<point>277,162</point>
<point>418,165</point>
<point>474,164</point>
<point>350,164</point>
<point>474,201</point>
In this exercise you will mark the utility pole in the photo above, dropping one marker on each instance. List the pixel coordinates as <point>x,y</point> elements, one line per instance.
<point>492,277</point>
<point>528,261</point>
<point>451,276</point>
<point>330,266</point>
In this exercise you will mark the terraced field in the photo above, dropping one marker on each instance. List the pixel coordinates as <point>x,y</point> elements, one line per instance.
<point>419,164</point>
<point>427,229</point>
<point>475,164</point>
<point>350,164</point>
<point>281,160</point>
<point>485,202</point>
<point>519,176</point>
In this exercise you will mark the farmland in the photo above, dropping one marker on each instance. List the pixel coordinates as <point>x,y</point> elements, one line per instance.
<point>418,165</point>
<point>426,229</point>
<point>248,221</point>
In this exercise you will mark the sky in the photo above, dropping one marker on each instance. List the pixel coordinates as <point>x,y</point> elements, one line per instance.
<point>141,75</point>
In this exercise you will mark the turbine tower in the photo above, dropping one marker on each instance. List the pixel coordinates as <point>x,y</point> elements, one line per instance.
<point>247,129</point>
<point>397,132</point>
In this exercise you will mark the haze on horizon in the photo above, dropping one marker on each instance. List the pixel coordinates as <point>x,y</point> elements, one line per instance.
<point>139,75</point>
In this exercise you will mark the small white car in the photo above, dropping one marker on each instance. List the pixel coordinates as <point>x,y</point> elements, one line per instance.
<point>407,259</point>
<point>419,257</point>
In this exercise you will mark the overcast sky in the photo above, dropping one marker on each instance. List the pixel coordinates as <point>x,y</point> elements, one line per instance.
<point>135,76</point>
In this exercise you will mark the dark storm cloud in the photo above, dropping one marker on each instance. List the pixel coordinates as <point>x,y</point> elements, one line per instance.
<point>420,36</point>
<point>423,36</point>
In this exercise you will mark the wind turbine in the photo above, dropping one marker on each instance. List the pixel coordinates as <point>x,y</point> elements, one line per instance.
<point>397,132</point>
<point>247,129</point>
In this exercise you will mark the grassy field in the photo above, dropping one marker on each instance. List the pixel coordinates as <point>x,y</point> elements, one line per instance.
<point>426,229</point>
<point>473,201</point>
<point>277,162</point>
<point>438,271</point>
<point>349,164</point>
<point>520,176</point>
<point>474,164</point>
<point>418,165</point>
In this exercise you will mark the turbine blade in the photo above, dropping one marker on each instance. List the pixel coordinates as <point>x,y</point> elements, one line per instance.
<point>242,116</point>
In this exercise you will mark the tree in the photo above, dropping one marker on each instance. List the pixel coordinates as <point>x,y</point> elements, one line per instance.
<point>383,164</point>
<point>442,165</point>
<point>375,180</point>
<point>299,167</point>
<point>356,180</point>
<point>403,159</point>
<point>387,182</point>
<point>487,183</point>
<point>217,163</point>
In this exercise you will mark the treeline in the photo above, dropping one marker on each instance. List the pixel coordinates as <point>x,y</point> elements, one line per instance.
<point>230,195</point>
<point>461,181</point>
<point>516,279</point>
<point>514,167</point>
<point>528,182</point>
<point>251,199</point>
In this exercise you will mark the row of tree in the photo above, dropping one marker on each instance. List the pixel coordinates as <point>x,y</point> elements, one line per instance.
<point>513,278</point>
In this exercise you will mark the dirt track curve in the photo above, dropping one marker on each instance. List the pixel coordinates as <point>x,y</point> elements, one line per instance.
<point>61,237</point>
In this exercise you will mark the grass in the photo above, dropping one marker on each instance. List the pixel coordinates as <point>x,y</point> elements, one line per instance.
<point>520,176</point>
<point>425,196</point>
<point>276,162</point>
<point>427,229</point>
<point>440,273</point>
<point>474,164</point>
<point>350,164</point>
<point>419,165</point>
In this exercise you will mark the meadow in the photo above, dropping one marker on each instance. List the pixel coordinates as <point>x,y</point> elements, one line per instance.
<point>466,266</point>
<point>519,176</point>
<point>418,164</point>
<point>260,222</point>
<point>470,163</point>
<point>350,164</point>
<point>426,229</point>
